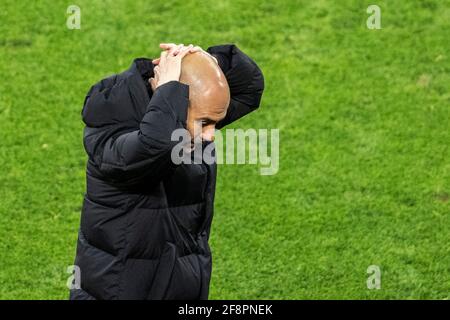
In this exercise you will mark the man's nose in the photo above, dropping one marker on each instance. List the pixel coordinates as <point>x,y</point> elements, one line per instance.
<point>208,133</point>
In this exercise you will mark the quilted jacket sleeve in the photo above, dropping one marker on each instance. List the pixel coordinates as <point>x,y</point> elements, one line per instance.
<point>127,150</point>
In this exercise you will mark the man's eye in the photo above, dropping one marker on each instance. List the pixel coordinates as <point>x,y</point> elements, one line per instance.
<point>206,122</point>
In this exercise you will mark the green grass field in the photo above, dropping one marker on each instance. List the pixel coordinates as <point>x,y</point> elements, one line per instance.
<point>363,115</point>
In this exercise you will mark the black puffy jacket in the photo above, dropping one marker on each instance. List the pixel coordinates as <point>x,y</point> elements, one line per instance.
<point>145,221</point>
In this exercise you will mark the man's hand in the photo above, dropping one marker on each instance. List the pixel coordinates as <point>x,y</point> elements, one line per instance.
<point>176,48</point>
<point>168,66</point>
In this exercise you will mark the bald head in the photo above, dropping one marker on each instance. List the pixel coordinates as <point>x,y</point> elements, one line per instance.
<point>208,87</point>
<point>209,94</point>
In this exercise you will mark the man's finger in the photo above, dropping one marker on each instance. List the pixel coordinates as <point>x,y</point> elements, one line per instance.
<point>167,46</point>
<point>156,73</point>
<point>155,61</point>
<point>152,83</point>
<point>162,58</point>
<point>176,50</point>
<point>195,49</point>
<point>184,51</point>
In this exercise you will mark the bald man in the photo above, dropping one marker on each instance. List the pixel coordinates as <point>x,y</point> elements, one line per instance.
<point>209,94</point>
<point>146,220</point>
